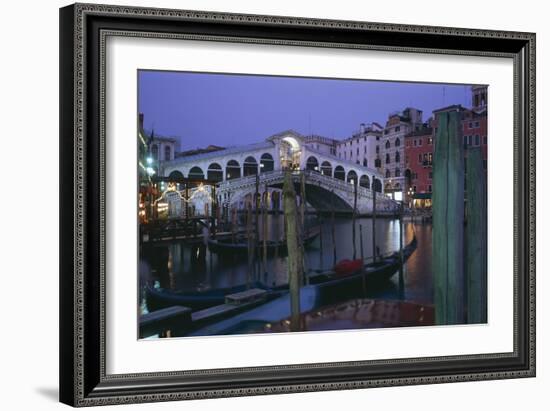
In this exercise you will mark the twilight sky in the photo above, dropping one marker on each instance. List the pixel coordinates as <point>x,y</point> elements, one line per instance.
<point>228,110</point>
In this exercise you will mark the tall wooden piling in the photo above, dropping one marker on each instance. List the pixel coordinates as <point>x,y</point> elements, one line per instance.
<point>476,237</point>
<point>302,232</point>
<point>362,259</point>
<point>250,244</point>
<point>448,220</point>
<point>257,261</point>
<point>295,258</point>
<point>373,221</point>
<point>401,273</point>
<point>333,228</point>
<point>353,218</point>
<point>320,240</point>
<point>264,230</point>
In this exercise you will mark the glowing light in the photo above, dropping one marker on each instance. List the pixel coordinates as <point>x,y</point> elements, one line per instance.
<point>150,171</point>
<point>149,160</point>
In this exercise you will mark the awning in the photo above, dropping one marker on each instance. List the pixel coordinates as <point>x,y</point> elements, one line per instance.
<point>422,196</point>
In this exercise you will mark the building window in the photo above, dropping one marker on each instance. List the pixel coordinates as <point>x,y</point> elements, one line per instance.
<point>167,153</point>
<point>430,188</point>
<point>388,144</point>
<point>358,151</point>
<point>388,174</point>
<point>415,143</point>
<point>377,149</point>
<point>465,138</point>
<point>485,140</point>
<point>386,131</point>
<point>430,175</point>
<point>430,159</point>
<point>397,129</point>
<point>155,151</point>
<point>414,189</point>
<point>470,140</point>
<point>397,172</point>
<point>397,157</point>
<point>365,150</point>
<point>397,142</point>
<point>477,140</point>
<point>387,158</point>
<point>419,142</point>
<point>430,141</point>
<point>476,124</point>
<point>365,163</point>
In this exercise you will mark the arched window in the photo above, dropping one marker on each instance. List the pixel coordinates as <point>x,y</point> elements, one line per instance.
<point>364,181</point>
<point>266,163</point>
<point>326,169</point>
<point>388,144</point>
<point>365,162</point>
<point>214,172</point>
<point>397,142</point>
<point>397,157</point>
<point>167,153</point>
<point>232,170</point>
<point>387,158</point>
<point>397,172</point>
<point>196,173</point>
<point>377,185</point>
<point>155,152</point>
<point>176,175</point>
<point>352,177</point>
<point>340,173</point>
<point>312,164</point>
<point>388,174</point>
<point>250,166</point>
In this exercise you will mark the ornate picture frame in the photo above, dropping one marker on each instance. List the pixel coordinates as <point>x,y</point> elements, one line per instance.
<point>84,29</point>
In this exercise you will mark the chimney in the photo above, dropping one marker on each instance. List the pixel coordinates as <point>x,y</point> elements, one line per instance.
<point>362,128</point>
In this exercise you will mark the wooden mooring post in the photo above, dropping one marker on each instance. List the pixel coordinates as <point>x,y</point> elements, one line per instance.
<point>362,259</point>
<point>353,218</point>
<point>250,244</point>
<point>373,221</point>
<point>448,220</point>
<point>264,230</point>
<point>295,258</point>
<point>401,272</point>
<point>333,228</point>
<point>476,237</point>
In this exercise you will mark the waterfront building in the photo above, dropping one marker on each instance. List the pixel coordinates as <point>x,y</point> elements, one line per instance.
<point>392,149</point>
<point>420,143</point>
<point>363,147</point>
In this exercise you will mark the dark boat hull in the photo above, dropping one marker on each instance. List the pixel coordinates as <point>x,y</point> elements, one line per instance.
<point>196,300</point>
<point>240,248</point>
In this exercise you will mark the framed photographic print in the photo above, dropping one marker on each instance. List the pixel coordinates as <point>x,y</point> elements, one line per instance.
<point>261,204</point>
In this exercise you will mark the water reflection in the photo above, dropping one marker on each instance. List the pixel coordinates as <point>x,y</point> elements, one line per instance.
<point>177,266</point>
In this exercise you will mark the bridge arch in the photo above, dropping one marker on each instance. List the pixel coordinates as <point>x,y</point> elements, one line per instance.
<point>340,173</point>
<point>232,170</point>
<point>250,166</point>
<point>196,173</point>
<point>266,163</point>
<point>312,163</point>
<point>364,181</point>
<point>326,169</point>
<point>352,177</point>
<point>214,172</point>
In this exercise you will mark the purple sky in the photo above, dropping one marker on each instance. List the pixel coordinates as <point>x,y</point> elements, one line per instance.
<point>228,110</point>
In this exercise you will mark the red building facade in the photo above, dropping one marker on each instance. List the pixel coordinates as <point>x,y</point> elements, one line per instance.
<point>419,149</point>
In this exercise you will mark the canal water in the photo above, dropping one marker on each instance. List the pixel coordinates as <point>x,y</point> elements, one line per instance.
<point>180,267</point>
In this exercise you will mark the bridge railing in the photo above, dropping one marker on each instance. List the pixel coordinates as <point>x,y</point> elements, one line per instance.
<point>312,177</point>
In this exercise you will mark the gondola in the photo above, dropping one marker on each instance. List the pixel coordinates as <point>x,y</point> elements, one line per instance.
<point>239,247</point>
<point>158,298</point>
<point>324,289</point>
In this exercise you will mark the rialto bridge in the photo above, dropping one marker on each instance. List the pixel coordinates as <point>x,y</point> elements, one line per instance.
<point>329,181</point>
